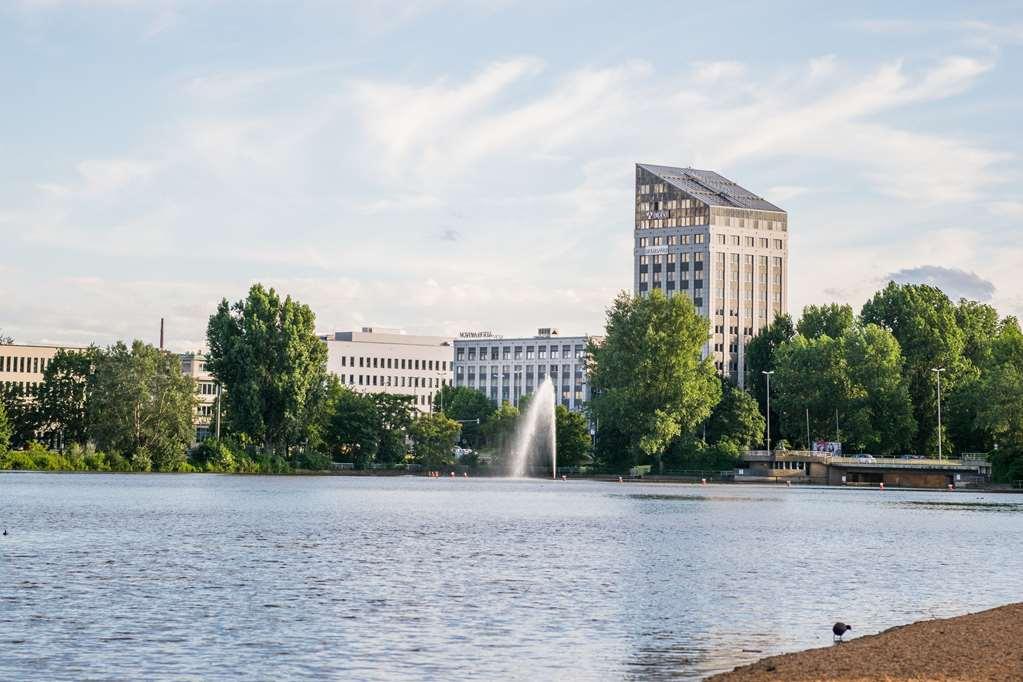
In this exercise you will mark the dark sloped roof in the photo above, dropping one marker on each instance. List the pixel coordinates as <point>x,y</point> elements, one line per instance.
<point>710,187</point>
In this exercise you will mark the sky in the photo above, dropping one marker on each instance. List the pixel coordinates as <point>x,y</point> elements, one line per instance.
<point>447,165</point>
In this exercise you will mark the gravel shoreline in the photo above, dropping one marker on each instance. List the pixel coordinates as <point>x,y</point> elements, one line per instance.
<point>979,646</point>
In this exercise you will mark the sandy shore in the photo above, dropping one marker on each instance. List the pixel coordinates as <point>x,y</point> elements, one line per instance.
<point>979,646</point>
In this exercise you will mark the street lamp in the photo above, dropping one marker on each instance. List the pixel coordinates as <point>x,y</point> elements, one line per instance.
<point>768,375</point>
<point>937,371</point>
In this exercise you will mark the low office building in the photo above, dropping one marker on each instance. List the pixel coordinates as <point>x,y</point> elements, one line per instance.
<point>22,366</point>
<point>194,365</point>
<point>505,370</point>
<point>379,360</point>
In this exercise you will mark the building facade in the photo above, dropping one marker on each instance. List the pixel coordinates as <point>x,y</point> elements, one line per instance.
<point>378,360</point>
<point>505,370</point>
<point>700,235</point>
<point>22,366</point>
<point>194,365</point>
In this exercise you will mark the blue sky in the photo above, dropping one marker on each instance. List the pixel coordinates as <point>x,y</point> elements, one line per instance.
<point>448,165</point>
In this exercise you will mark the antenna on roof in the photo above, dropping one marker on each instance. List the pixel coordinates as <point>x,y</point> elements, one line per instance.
<point>161,333</point>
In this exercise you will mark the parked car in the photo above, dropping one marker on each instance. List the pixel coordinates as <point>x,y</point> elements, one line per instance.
<point>865,458</point>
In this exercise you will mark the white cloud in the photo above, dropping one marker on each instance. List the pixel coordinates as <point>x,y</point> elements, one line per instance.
<point>707,73</point>
<point>99,177</point>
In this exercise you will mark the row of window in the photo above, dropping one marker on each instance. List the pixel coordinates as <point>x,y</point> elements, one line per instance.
<point>554,352</point>
<point>395,363</point>
<point>760,242</point>
<point>671,240</point>
<point>505,370</point>
<point>206,388</point>
<point>23,365</point>
<point>566,395</point>
<point>396,382</point>
<point>645,220</point>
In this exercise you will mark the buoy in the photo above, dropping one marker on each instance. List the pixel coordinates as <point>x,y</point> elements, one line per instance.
<point>703,481</point>
<point>452,474</point>
<point>951,487</point>
<point>619,479</point>
<point>788,484</point>
<point>882,485</point>
<point>564,477</point>
<point>465,474</point>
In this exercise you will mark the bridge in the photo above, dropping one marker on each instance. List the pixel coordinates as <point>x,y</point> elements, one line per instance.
<point>825,468</point>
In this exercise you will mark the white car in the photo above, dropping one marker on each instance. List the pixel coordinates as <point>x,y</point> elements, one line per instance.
<point>865,458</point>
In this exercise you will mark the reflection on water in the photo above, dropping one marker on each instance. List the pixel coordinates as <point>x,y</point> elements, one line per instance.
<point>215,577</point>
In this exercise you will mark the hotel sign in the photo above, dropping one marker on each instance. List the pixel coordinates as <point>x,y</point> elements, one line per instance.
<point>478,335</point>
<point>655,215</point>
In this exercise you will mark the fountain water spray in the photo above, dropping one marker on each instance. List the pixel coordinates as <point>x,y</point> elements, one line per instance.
<point>535,432</point>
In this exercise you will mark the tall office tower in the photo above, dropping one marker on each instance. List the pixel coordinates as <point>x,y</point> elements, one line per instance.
<point>701,235</point>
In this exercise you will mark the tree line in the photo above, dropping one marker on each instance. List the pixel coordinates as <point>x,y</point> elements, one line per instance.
<point>869,381</point>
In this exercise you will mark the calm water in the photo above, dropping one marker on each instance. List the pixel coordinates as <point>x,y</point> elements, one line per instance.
<point>169,577</point>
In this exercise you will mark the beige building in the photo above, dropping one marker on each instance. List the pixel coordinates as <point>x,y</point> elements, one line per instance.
<point>194,365</point>
<point>700,235</point>
<point>22,366</point>
<point>379,360</point>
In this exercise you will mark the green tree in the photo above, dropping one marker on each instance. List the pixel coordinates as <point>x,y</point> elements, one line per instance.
<point>499,430</point>
<point>760,358</point>
<point>572,437</point>
<point>396,413</point>
<point>353,431</point>
<point>433,438</point>
<point>736,418</point>
<point>810,375</point>
<point>6,340</point>
<point>266,354</point>
<point>5,430</point>
<point>466,404</point>
<point>924,322</point>
<point>648,377</point>
<point>879,411</point>
<point>61,402</point>
<point>832,320</point>
<point>142,406</point>
<point>1000,390</point>
<point>22,416</point>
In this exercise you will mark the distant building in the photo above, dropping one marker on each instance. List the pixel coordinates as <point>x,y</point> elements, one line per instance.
<point>194,365</point>
<point>505,369</point>
<point>380,360</point>
<point>22,366</point>
<point>700,235</point>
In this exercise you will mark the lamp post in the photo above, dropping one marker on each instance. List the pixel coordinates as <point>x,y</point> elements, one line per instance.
<point>937,371</point>
<point>768,375</point>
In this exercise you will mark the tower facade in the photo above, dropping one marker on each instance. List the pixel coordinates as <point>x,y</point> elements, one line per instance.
<point>700,235</point>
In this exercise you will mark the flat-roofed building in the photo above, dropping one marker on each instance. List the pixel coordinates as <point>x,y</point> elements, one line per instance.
<point>700,235</point>
<point>506,369</point>
<point>22,366</point>
<point>194,365</point>
<point>382,360</point>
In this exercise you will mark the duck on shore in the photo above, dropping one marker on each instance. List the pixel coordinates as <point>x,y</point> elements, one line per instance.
<point>839,629</point>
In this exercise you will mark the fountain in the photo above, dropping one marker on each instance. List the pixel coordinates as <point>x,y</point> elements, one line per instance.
<point>535,432</point>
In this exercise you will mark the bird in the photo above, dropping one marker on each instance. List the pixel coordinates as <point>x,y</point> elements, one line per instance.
<point>839,629</point>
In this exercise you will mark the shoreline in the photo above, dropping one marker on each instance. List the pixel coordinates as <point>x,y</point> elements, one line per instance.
<point>976,646</point>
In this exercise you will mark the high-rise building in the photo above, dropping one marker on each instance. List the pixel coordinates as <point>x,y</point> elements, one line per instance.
<point>700,235</point>
<point>506,369</point>
<point>378,360</point>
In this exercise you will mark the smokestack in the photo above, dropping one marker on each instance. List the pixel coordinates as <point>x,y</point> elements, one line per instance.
<point>161,333</point>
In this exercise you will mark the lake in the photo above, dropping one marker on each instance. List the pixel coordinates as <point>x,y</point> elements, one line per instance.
<point>216,577</point>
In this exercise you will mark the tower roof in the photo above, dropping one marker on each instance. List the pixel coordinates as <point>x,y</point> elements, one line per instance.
<point>710,187</point>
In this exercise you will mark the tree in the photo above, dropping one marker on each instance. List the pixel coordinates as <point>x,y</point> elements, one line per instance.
<point>499,430</point>
<point>6,340</point>
<point>22,417</point>
<point>858,377</point>
<point>466,404</point>
<point>353,430</point>
<point>1000,390</point>
<point>266,354</point>
<point>141,405</point>
<point>5,430</point>
<point>760,357</point>
<point>826,320</point>
<point>736,418</point>
<point>572,437</point>
<point>61,402</point>
<point>396,414</point>
<point>433,438</point>
<point>923,321</point>
<point>648,377</point>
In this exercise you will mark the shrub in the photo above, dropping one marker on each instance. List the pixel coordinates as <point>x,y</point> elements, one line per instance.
<point>312,461</point>
<point>141,461</point>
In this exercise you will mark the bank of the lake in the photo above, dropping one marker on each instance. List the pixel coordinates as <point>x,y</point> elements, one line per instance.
<point>982,647</point>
